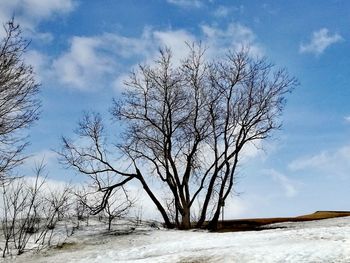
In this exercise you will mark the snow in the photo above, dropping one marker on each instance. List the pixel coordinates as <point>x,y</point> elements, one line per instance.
<point>314,241</point>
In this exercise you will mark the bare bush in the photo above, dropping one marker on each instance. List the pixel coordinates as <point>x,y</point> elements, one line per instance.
<point>21,217</point>
<point>30,212</point>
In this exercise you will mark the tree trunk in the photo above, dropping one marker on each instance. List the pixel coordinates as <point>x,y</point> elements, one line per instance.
<point>186,219</point>
<point>213,224</point>
<point>206,201</point>
<point>109,223</point>
<point>161,209</point>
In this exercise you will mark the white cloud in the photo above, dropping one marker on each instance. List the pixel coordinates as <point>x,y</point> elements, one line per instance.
<point>118,82</point>
<point>309,162</point>
<point>328,163</point>
<point>39,62</point>
<point>320,40</point>
<point>186,3</point>
<point>84,63</point>
<point>89,61</point>
<point>286,183</point>
<point>92,61</point>
<point>234,37</point>
<point>347,118</point>
<point>50,185</point>
<point>175,40</point>
<point>29,13</point>
<point>222,11</point>
<point>48,157</point>
<point>252,150</point>
<point>45,9</point>
<point>34,10</point>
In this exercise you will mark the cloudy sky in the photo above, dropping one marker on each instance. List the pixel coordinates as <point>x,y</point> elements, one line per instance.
<point>82,50</point>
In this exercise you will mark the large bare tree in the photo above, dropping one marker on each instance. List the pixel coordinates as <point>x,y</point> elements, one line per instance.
<point>19,105</point>
<point>185,126</point>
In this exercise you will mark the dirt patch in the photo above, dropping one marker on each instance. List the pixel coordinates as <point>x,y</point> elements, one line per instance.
<point>257,224</point>
<point>197,260</point>
<point>67,246</point>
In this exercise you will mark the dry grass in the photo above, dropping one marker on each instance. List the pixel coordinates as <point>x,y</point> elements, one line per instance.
<point>259,223</point>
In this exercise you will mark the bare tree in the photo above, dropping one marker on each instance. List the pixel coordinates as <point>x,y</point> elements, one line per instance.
<point>82,210</point>
<point>56,207</point>
<point>19,107</point>
<point>30,212</point>
<point>12,206</point>
<point>21,205</point>
<point>185,128</point>
<point>117,206</point>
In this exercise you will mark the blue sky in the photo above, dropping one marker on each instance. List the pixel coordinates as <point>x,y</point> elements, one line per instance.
<point>82,50</point>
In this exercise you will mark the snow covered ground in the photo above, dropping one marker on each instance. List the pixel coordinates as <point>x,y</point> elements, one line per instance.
<point>315,241</point>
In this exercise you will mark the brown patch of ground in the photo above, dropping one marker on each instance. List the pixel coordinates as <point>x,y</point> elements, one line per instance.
<point>256,224</point>
<point>66,245</point>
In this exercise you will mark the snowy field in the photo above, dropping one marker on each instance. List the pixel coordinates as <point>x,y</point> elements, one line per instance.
<point>315,241</point>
